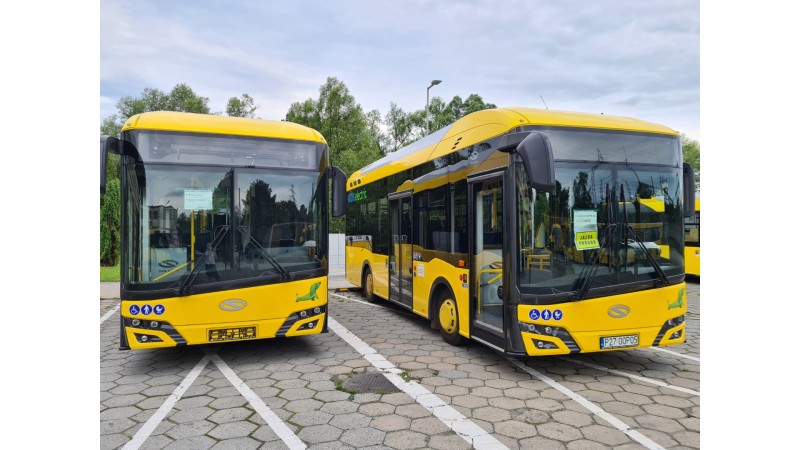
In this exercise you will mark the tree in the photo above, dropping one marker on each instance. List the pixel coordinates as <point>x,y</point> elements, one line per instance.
<point>353,136</point>
<point>691,155</point>
<point>241,107</point>
<point>109,224</point>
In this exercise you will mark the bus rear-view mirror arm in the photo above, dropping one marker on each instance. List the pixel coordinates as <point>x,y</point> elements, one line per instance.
<point>688,190</point>
<point>108,144</point>
<point>339,191</point>
<point>537,157</point>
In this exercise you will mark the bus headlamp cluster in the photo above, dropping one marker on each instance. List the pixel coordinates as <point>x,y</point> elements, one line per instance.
<point>136,323</point>
<point>676,321</point>
<point>539,329</point>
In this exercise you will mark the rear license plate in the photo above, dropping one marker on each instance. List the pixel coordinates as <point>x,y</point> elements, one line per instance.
<point>231,334</point>
<point>631,340</point>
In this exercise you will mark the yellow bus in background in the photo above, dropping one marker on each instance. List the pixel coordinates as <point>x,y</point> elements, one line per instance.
<point>692,240</point>
<point>534,232</point>
<point>224,228</point>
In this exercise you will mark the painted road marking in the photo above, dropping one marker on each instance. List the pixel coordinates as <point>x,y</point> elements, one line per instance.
<point>618,424</point>
<point>375,305</point>
<point>633,376</point>
<point>108,314</point>
<point>465,428</point>
<point>274,422</point>
<point>155,419</point>
<point>675,353</point>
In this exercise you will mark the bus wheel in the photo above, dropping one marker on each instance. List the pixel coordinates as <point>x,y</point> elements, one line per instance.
<point>448,320</point>
<point>369,286</point>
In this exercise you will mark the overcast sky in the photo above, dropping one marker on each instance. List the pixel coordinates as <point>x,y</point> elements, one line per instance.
<point>633,58</point>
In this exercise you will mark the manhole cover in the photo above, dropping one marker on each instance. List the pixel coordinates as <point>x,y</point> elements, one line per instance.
<point>369,382</point>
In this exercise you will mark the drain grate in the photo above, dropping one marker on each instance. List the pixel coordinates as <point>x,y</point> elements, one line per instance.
<point>373,382</point>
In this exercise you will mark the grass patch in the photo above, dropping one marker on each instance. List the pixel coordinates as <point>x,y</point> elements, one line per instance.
<point>109,273</point>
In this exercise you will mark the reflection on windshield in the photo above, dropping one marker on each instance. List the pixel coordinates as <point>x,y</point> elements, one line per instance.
<point>276,219</point>
<point>606,224</point>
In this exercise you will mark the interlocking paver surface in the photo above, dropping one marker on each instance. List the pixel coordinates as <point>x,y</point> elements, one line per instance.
<point>299,380</point>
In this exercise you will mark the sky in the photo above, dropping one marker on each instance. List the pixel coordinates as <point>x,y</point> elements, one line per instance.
<point>630,58</point>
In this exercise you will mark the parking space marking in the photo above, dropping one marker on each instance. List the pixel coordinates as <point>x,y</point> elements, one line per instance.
<point>693,358</point>
<point>274,422</point>
<point>155,419</point>
<point>633,376</point>
<point>375,305</point>
<point>463,427</point>
<point>618,424</point>
<point>108,314</point>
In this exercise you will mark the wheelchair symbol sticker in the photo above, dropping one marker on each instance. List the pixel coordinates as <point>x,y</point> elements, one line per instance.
<point>534,314</point>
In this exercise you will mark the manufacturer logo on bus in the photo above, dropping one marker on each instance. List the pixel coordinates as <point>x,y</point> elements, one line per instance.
<point>618,311</point>
<point>233,304</point>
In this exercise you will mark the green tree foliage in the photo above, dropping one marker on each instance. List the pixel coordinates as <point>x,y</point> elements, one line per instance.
<point>109,224</point>
<point>353,136</point>
<point>405,128</point>
<point>243,106</point>
<point>691,155</point>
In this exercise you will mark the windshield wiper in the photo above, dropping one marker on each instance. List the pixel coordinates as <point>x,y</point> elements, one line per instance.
<point>187,283</point>
<point>628,229</point>
<point>285,275</point>
<point>608,233</point>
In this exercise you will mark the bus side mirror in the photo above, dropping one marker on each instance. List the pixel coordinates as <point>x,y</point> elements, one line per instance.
<point>339,191</point>
<point>107,144</point>
<point>688,190</point>
<point>537,157</point>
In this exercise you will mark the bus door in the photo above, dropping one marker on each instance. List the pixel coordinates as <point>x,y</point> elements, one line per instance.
<point>486,268</point>
<point>400,251</point>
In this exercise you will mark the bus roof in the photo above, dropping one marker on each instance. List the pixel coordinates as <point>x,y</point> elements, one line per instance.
<point>207,123</point>
<point>482,125</point>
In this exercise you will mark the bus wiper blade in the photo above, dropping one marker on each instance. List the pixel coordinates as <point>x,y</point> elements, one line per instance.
<point>592,270</point>
<point>187,283</point>
<point>285,275</point>
<point>629,230</point>
<point>656,266</point>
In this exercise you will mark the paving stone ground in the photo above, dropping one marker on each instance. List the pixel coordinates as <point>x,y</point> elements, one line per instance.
<point>297,380</point>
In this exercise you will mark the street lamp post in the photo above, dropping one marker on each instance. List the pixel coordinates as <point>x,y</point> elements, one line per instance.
<point>427,100</point>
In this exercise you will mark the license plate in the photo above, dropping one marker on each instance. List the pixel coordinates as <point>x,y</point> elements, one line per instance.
<point>231,334</point>
<point>631,340</point>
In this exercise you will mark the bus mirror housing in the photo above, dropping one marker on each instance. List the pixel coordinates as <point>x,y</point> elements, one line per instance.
<point>339,191</point>
<point>107,144</point>
<point>688,190</point>
<point>537,157</point>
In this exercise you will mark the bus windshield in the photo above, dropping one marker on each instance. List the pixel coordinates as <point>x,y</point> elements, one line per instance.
<point>599,226</point>
<point>236,223</point>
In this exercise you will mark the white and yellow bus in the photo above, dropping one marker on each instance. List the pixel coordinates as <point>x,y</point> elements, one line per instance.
<point>224,228</point>
<point>693,240</point>
<point>534,232</point>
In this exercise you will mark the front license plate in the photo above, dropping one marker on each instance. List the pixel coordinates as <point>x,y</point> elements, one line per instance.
<point>631,340</point>
<point>231,334</point>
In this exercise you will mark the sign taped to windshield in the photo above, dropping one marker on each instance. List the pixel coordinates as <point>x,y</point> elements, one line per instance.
<point>584,222</point>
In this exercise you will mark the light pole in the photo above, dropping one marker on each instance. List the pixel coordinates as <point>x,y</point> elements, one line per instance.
<point>427,99</point>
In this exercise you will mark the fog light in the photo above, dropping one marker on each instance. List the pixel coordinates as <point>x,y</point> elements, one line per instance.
<point>154,324</point>
<point>540,344</point>
<point>303,314</point>
<point>676,335</point>
<point>135,322</point>
<point>144,338</point>
<point>311,325</point>
<point>316,310</point>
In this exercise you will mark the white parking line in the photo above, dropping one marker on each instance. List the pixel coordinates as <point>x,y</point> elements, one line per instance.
<point>155,419</point>
<point>618,424</point>
<point>457,422</point>
<point>675,353</point>
<point>274,422</point>
<point>108,314</point>
<point>633,376</point>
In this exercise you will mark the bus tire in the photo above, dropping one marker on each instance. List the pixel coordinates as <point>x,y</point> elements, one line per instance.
<point>447,315</point>
<point>368,285</point>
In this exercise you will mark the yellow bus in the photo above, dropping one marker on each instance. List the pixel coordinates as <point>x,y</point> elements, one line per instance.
<point>535,232</point>
<point>224,228</point>
<point>692,240</point>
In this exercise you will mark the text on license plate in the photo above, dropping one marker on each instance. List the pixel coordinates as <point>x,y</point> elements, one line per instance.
<point>231,334</point>
<point>631,340</point>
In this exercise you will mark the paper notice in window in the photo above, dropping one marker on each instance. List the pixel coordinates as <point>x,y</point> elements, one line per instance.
<point>197,199</point>
<point>584,223</point>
